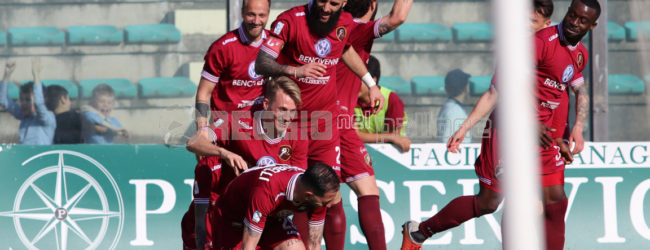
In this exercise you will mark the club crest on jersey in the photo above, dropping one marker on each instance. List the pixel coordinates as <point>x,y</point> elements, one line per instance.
<point>266,161</point>
<point>368,160</point>
<point>285,153</point>
<point>323,47</point>
<point>251,71</point>
<point>341,32</point>
<point>568,74</point>
<point>580,59</point>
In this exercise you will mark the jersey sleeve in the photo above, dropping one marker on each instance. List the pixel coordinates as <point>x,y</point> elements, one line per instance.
<point>317,217</point>
<point>395,114</point>
<point>261,205</point>
<point>579,78</point>
<point>215,62</point>
<point>540,48</point>
<point>299,155</point>
<point>367,30</point>
<point>281,33</point>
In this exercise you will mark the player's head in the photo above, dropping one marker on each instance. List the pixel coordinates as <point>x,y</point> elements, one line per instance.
<point>321,186</point>
<point>282,98</point>
<point>57,98</point>
<point>456,83</point>
<point>324,15</point>
<point>541,16</point>
<point>581,17</point>
<point>255,14</point>
<point>26,99</point>
<point>103,98</point>
<point>359,8</point>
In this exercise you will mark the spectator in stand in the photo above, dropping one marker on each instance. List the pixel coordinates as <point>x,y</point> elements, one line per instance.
<point>387,125</point>
<point>98,126</point>
<point>452,114</point>
<point>37,124</point>
<point>68,122</point>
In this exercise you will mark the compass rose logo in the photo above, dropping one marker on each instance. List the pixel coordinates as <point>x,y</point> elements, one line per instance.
<point>64,207</point>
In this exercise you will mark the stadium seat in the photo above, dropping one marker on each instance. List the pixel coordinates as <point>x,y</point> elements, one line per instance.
<point>625,84</point>
<point>423,32</point>
<point>387,38</point>
<point>123,88</point>
<point>94,35</point>
<point>70,86</point>
<point>36,36</point>
<point>152,33</point>
<point>202,21</point>
<point>637,29</point>
<point>472,32</point>
<point>615,32</point>
<point>479,84</point>
<point>396,84</point>
<point>3,38</point>
<point>167,87</point>
<point>429,85</point>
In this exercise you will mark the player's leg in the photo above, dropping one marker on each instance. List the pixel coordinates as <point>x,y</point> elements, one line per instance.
<point>555,206</point>
<point>301,221</point>
<point>187,229</point>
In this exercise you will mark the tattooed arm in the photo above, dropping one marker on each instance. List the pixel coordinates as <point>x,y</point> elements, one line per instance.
<point>396,17</point>
<point>582,110</point>
<point>265,64</point>
<point>315,237</point>
<point>250,239</point>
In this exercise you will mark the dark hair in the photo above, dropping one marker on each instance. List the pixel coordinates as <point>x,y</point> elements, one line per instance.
<point>374,68</point>
<point>320,179</point>
<point>357,8</point>
<point>543,7</point>
<point>455,82</point>
<point>102,89</point>
<point>592,4</point>
<point>53,94</point>
<point>27,88</point>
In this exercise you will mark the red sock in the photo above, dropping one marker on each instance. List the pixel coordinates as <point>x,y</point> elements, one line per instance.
<point>301,221</point>
<point>334,231</point>
<point>455,213</point>
<point>554,224</point>
<point>371,223</point>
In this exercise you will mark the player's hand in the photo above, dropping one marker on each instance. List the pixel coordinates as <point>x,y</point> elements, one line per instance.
<point>453,144</point>
<point>576,141</point>
<point>9,69</point>
<point>36,66</point>
<point>545,139</point>
<point>376,99</point>
<point>311,70</point>
<point>565,152</point>
<point>402,143</point>
<point>235,161</point>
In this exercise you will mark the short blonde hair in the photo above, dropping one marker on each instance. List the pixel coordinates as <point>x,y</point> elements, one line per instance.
<point>102,89</point>
<point>287,86</point>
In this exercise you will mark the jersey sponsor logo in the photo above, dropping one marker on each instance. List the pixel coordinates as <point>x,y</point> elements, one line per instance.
<point>318,80</point>
<point>248,103</point>
<point>229,40</point>
<point>251,72</point>
<point>257,216</point>
<point>580,59</point>
<point>285,153</point>
<point>549,104</point>
<point>323,47</point>
<point>300,14</point>
<point>278,28</point>
<point>568,74</point>
<point>341,32</point>
<point>553,84</point>
<point>266,161</point>
<point>324,61</point>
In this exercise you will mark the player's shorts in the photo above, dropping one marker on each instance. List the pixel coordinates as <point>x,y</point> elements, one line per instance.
<point>324,146</point>
<point>551,160</point>
<point>488,164</point>
<point>277,230</point>
<point>355,160</point>
<point>553,179</point>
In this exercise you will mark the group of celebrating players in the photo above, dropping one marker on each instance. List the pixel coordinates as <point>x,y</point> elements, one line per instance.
<point>271,151</point>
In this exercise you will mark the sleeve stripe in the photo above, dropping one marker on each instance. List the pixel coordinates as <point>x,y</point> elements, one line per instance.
<point>210,77</point>
<point>317,223</point>
<point>376,28</point>
<point>253,227</point>
<point>202,200</point>
<point>577,81</point>
<point>269,51</point>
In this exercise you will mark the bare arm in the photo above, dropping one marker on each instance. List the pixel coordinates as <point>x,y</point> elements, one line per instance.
<point>396,17</point>
<point>353,61</point>
<point>403,143</point>
<point>582,110</point>
<point>202,146</point>
<point>203,96</point>
<point>250,239</point>
<point>265,64</point>
<point>315,237</point>
<point>482,108</point>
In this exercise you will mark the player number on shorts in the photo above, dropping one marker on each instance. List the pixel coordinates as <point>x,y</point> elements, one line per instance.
<point>338,154</point>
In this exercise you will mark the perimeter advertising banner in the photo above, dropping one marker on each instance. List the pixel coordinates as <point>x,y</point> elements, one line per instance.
<point>133,196</point>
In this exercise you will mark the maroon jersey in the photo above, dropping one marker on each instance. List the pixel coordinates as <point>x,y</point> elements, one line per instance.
<point>230,64</point>
<point>559,66</point>
<point>292,43</point>
<point>348,83</point>
<point>260,193</point>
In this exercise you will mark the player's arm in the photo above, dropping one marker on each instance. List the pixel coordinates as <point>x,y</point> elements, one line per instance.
<point>315,237</point>
<point>250,239</point>
<point>482,108</point>
<point>203,95</point>
<point>353,61</point>
<point>396,17</point>
<point>403,143</point>
<point>265,63</point>
<point>582,110</point>
<point>201,145</point>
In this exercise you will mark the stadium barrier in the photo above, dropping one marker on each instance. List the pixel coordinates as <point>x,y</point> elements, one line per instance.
<point>133,196</point>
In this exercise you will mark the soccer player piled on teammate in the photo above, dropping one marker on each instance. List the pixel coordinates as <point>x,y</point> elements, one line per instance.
<point>560,59</point>
<point>245,138</point>
<point>254,210</point>
<point>229,82</point>
<point>308,41</point>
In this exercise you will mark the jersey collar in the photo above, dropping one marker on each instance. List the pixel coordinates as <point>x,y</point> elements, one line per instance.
<point>244,39</point>
<point>563,39</point>
<point>260,131</point>
<point>291,187</point>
